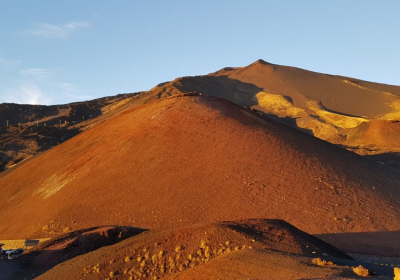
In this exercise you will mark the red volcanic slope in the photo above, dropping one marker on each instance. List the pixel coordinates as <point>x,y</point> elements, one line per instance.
<point>184,160</point>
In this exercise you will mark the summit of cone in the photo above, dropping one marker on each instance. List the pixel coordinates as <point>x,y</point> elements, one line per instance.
<point>262,62</point>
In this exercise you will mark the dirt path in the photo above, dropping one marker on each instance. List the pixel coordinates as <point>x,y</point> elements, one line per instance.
<point>61,113</point>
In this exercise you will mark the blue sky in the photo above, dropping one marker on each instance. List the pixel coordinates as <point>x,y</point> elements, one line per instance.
<point>55,52</point>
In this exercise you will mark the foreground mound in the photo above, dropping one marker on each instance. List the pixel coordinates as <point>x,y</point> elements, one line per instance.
<point>50,253</point>
<point>190,159</point>
<point>157,254</point>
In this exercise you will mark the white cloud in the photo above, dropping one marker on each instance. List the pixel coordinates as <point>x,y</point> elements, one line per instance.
<point>46,92</point>
<point>3,61</point>
<point>71,91</point>
<point>8,63</point>
<point>40,86</point>
<point>27,94</point>
<point>67,87</point>
<point>36,73</point>
<point>83,97</point>
<point>56,31</point>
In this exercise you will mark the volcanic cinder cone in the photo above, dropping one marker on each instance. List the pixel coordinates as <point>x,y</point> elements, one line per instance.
<point>190,159</point>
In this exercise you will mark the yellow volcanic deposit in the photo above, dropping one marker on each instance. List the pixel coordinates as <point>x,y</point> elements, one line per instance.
<point>322,123</point>
<point>114,106</point>
<point>394,114</point>
<point>278,105</point>
<point>338,120</point>
<point>355,84</point>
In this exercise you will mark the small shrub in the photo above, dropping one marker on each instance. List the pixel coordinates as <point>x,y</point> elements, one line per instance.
<point>362,271</point>
<point>319,261</point>
<point>396,273</point>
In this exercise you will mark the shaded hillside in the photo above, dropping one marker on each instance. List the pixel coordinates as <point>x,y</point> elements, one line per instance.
<point>21,143</point>
<point>23,115</point>
<point>190,159</point>
<point>26,130</point>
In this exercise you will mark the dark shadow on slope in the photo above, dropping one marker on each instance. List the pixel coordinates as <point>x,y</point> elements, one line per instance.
<point>391,158</point>
<point>288,121</point>
<point>18,144</point>
<point>379,268</point>
<point>238,92</point>
<point>278,229</point>
<point>369,243</point>
<point>57,250</point>
<point>233,90</point>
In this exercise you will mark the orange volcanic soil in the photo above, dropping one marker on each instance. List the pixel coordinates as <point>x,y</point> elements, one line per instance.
<point>190,159</point>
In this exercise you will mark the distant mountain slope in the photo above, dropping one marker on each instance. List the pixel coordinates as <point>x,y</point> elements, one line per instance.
<point>327,106</point>
<point>191,159</point>
<point>334,108</point>
<point>339,94</point>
